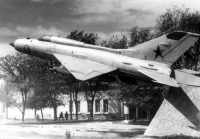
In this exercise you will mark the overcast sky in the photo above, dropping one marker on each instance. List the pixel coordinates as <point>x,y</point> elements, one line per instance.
<point>33,18</point>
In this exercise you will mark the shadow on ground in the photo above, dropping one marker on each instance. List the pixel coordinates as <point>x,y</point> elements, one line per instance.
<point>129,134</point>
<point>45,122</point>
<point>172,137</point>
<point>140,123</point>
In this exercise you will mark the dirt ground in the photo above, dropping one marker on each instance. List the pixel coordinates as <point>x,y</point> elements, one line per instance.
<point>76,129</point>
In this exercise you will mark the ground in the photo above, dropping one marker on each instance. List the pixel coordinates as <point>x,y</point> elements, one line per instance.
<point>49,129</point>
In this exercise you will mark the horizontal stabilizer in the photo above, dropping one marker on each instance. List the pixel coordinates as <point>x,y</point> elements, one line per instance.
<point>83,69</point>
<point>186,79</point>
<point>160,78</point>
<point>188,71</point>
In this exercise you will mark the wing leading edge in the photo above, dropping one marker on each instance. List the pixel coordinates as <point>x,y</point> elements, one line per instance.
<point>83,69</point>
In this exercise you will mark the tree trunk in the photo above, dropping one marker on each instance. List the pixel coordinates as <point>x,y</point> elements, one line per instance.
<point>76,106</point>
<point>23,115</point>
<point>24,97</point>
<point>70,105</point>
<point>23,111</point>
<point>76,97</point>
<point>55,113</point>
<point>136,113</point>
<point>149,115</point>
<point>35,112</point>
<point>7,112</point>
<point>92,111</point>
<point>119,108</point>
<point>42,114</point>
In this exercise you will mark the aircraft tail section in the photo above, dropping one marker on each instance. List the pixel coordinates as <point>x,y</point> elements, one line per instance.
<point>167,48</point>
<point>186,78</point>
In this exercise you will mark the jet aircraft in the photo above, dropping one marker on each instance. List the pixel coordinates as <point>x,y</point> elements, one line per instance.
<point>149,62</point>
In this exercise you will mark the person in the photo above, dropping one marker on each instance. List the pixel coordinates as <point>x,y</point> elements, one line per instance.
<point>66,115</point>
<point>37,117</point>
<point>61,116</point>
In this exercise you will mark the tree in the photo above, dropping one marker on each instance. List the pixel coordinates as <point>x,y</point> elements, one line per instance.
<point>19,70</point>
<point>139,35</point>
<point>93,89</point>
<point>7,91</point>
<point>32,77</point>
<point>37,98</point>
<point>76,85</point>
<point>116,42</point>
<point>89,38</point>
<point>148,97</point>
<point>52,87</point>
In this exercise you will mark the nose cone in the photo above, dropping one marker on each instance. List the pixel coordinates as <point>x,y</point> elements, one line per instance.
<point>12,44</point>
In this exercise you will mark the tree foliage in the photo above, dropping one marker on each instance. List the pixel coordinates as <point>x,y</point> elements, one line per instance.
<point>48,87</point>
<point>19,70</point>
<point>89,38</point>
<point>147,97</point>
<point>8,95</point>
<point>179,18</point>
<point>139,35</point>
<point>7,91</point>
<point>93,85</point>
<point>116,42</point>
<point>38,86</point>
<point>182,19</point>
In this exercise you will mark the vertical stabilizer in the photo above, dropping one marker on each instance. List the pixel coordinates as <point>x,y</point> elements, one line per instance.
<point>167,48</point>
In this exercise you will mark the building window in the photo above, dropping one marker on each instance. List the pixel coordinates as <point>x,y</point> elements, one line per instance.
<point>70,106</point>
<point>105,105</point>
<point>89,105</point>
<point>97,105</point>
<point>78,106</point>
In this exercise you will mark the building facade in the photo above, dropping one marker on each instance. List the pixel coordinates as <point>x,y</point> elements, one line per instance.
<point>2,110</point>
<point>104,108</point>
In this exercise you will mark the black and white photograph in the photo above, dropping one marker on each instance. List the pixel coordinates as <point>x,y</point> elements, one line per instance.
<point>99,69</point>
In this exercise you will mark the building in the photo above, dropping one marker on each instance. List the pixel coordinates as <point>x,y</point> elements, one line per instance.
<point>2,110</point>
<point>103,108</point>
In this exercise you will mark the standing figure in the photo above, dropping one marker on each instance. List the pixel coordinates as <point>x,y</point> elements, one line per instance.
<point>66,115</point>
<point>37,117</point>
<point>61,116</point>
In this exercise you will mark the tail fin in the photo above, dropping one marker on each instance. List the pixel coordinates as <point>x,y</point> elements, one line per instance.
<point>167,48</point>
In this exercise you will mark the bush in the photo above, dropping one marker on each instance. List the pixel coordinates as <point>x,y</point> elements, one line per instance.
<point>111,116</point>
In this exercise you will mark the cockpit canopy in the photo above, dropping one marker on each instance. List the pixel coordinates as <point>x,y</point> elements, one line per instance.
<point>46,38</point>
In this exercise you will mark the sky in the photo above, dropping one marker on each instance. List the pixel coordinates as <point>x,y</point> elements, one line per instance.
<point>33,18</point>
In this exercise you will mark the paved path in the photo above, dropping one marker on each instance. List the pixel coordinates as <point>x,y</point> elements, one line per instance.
<point>80,129</point>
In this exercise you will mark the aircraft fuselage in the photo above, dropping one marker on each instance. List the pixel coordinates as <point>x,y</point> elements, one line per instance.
<point>145,63</point>
<point>124,64</point>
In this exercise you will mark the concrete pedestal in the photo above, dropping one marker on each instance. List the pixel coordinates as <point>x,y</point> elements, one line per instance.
<point>178,115</point>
